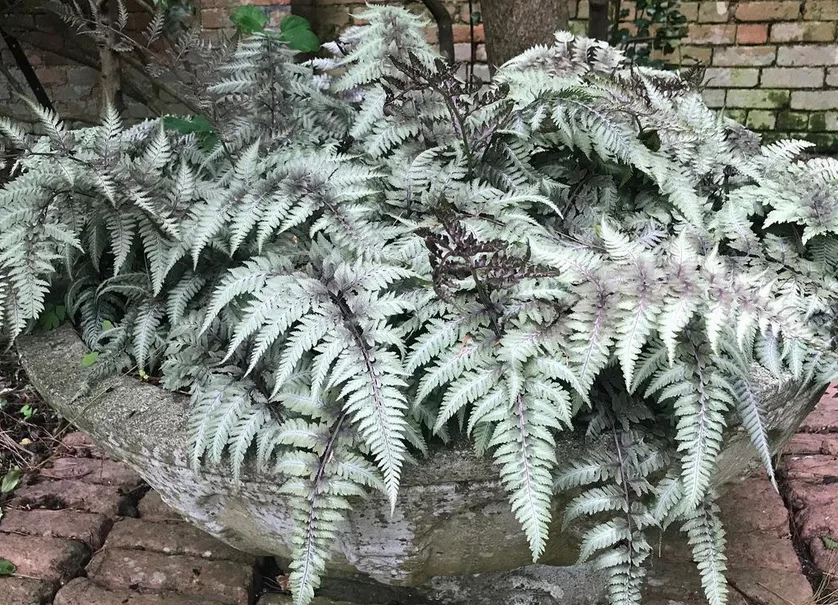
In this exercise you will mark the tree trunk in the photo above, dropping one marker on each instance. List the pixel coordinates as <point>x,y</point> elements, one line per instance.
<point>598,21</point>
<point>513,26</point>
<point>110,76</point>
<point>308,10</point>
<point>444,27</point>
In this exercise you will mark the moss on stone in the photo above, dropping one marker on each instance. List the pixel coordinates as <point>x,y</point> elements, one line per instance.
<point>761,119</point>
<point>817,121</point>
<point>792,120</point>
<point>825,142</point>
<point>740,115</point>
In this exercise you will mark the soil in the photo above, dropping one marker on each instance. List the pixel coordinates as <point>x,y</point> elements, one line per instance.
<point>29,429</point>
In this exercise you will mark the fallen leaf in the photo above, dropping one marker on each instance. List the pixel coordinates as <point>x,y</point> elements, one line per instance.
<point>7,568</point>
<point>10,481</point>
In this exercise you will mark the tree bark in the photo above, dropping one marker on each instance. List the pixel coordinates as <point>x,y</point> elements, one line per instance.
<point>444,27</point>
<point>110,75</point>
<point>513,26</point>
<point>598,21</point>
<point>308,10</point>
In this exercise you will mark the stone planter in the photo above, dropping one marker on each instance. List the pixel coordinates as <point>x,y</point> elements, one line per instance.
<point>452,520</point>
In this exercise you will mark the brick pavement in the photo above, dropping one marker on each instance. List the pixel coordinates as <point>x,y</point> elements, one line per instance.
<point>84,532</point>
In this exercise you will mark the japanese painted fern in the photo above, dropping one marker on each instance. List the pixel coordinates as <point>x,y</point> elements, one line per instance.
<point>368,255</point>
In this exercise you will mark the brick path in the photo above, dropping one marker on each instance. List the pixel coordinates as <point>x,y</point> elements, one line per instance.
<point>87,533</point>
<point>810,483</point>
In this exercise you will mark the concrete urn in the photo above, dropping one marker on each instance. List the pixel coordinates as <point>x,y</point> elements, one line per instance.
<point>452,519</point>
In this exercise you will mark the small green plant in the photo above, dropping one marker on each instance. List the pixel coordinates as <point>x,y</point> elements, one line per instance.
<point>52,316</point>
<point>10,481</point>
<point>7,568</point>
<point>27,411</point>
<point>293,29</point>
<point>89,359</point>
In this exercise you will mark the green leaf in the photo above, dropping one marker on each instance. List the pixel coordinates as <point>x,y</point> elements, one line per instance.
<point>302,40</point>
<point>27,411</point>
<point>249,19</point>
<point>7,568</point>
<point>89,359</point>
<point>10,481</point>
<point>293,22</point>
<point>829,542</point>
<point>52,317</point>
<point>107,325</point>
<point>195,124</point>
<point>296,32</point>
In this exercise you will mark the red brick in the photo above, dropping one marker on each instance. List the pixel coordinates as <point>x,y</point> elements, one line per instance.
<point>731,77</point>
<point>82,591</point>
<point>754,506</point>
<point>215,18</point>
<point>768,11</point>
<point>52,75</point>
<point>102,472</point>
<point>708,12</point>
<point>746,56</point>
<point>225,581</point>
<point>810,469</point>
<point>812,443</point>
<point>26,591</point>
<point>431,34</point>
<point>688,9</point>
<point>824,418</point>
<point>752,33</point>
<point>89,528</point>
<point>76,495</point>
<point>814,31</point>
<point>816,517</point>
<point>152,508</point>
<point>462,33</point>
<point>79,444</point>
<point>704,54</point>
<point>172,539</point>
<point>809,54</point>
<point>759,551</point>
<point>820,9</point>
<point>769,586</point>
<point>711,34</point>
<point>792,77</point>
<point>44,558</point>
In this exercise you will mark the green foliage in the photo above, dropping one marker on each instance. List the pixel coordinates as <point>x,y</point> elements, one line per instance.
<point>658,27</point>
<point>296,31</point>
<point>89,359</point>
<point>7,568</point>
<point>293,29</point>
<point>10,481</point>
<point>52,316</point>
<point>361,256</point>
<point>249,19</point>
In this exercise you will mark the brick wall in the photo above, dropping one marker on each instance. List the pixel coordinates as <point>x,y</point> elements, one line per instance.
<point>772,64</point>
